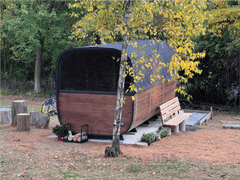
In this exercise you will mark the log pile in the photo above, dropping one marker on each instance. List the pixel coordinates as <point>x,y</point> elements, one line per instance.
<point>77,137</point>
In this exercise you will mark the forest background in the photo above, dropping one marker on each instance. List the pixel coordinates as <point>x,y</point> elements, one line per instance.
<point>34,33</point>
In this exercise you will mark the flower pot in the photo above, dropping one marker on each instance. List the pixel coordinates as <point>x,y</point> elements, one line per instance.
<point>149,142</point>
<point>59,138</point>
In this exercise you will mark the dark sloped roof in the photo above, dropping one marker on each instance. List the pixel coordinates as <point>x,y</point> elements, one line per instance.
<point>164,50</point>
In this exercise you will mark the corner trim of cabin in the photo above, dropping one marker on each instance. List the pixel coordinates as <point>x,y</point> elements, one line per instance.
<point>131,120</point>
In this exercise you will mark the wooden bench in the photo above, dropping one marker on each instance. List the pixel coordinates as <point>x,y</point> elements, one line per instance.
<point>170,108</point>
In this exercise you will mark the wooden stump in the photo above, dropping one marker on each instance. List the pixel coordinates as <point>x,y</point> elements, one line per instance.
<point>40,120</point>
<point>19,106</point>
<point>23,122</point>
<point>5,116</point>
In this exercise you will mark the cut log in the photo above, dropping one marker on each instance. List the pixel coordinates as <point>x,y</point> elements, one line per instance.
<point>79,139</point>
<point>19,106</point>
<point>84,137</point>
<point>23,122</point>
<point>5,116</point>
<point>70,138</point>
<point>76,137</point>
<point>40,120</point>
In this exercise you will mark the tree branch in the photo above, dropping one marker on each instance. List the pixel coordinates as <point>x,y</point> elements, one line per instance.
<point>58,8</point>
<point>52,5</point>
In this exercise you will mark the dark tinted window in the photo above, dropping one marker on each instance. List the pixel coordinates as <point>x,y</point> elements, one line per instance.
<point>91,69</point>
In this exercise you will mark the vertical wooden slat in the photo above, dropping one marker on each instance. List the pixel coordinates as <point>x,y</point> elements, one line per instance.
<point>135,109</point>
<point>163,92</point>
<point>149,107</point>
<point>174,92</point>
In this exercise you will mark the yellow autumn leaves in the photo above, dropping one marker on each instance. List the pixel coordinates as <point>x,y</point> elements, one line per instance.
<point>173,21</point>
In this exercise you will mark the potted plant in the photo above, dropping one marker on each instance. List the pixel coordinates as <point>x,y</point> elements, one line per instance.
<point>58,130</point>
<point>156,137</point>
<point>146,138</point>
<point>149,139</point>
<point>163,133</point>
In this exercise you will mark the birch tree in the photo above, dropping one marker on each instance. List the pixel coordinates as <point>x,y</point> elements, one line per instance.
<point>171,21</point>
<point>115,149</point>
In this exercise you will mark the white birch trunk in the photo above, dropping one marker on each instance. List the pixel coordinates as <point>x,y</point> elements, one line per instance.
<point>121,82</point>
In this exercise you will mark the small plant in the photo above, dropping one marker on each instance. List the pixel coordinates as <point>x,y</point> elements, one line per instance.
<point>152,137</point>
<point>58,130</point>
<point>149,138</point>
<point>163,133</point>
<point>144,137</point>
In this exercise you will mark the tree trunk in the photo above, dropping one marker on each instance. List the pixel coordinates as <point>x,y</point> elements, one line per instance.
<point>37,73</point>
<point>115,151</point>
<point>4,52</point>
<point>5,116</point>
<point>40,120</point>
<point>23,122</point>
<point>19,106</point>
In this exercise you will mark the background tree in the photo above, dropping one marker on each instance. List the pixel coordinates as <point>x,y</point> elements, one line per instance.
<point>36,25</point>
<point>219,68</point>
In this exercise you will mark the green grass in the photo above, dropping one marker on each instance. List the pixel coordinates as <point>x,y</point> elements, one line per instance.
<point>30,108</point>
<point>33,94</point>
<point>118,168</point>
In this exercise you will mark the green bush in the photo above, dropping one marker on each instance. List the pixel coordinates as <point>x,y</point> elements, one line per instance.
<point>219,70</point>
<point>58,130</point>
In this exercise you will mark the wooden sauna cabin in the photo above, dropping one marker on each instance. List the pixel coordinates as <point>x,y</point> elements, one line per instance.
<point>86,87</point>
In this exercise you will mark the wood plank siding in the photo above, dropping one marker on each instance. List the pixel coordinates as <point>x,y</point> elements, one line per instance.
<point>96,110</point>
<point>147,102</point>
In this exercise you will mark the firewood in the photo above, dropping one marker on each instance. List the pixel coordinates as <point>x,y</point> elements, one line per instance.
<point>70,138</point>
<point>79,139</point>
<point>75,137</point>
<point>84,137</point>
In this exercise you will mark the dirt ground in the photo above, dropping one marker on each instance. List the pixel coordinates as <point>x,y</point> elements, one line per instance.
<point>210,142</point>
